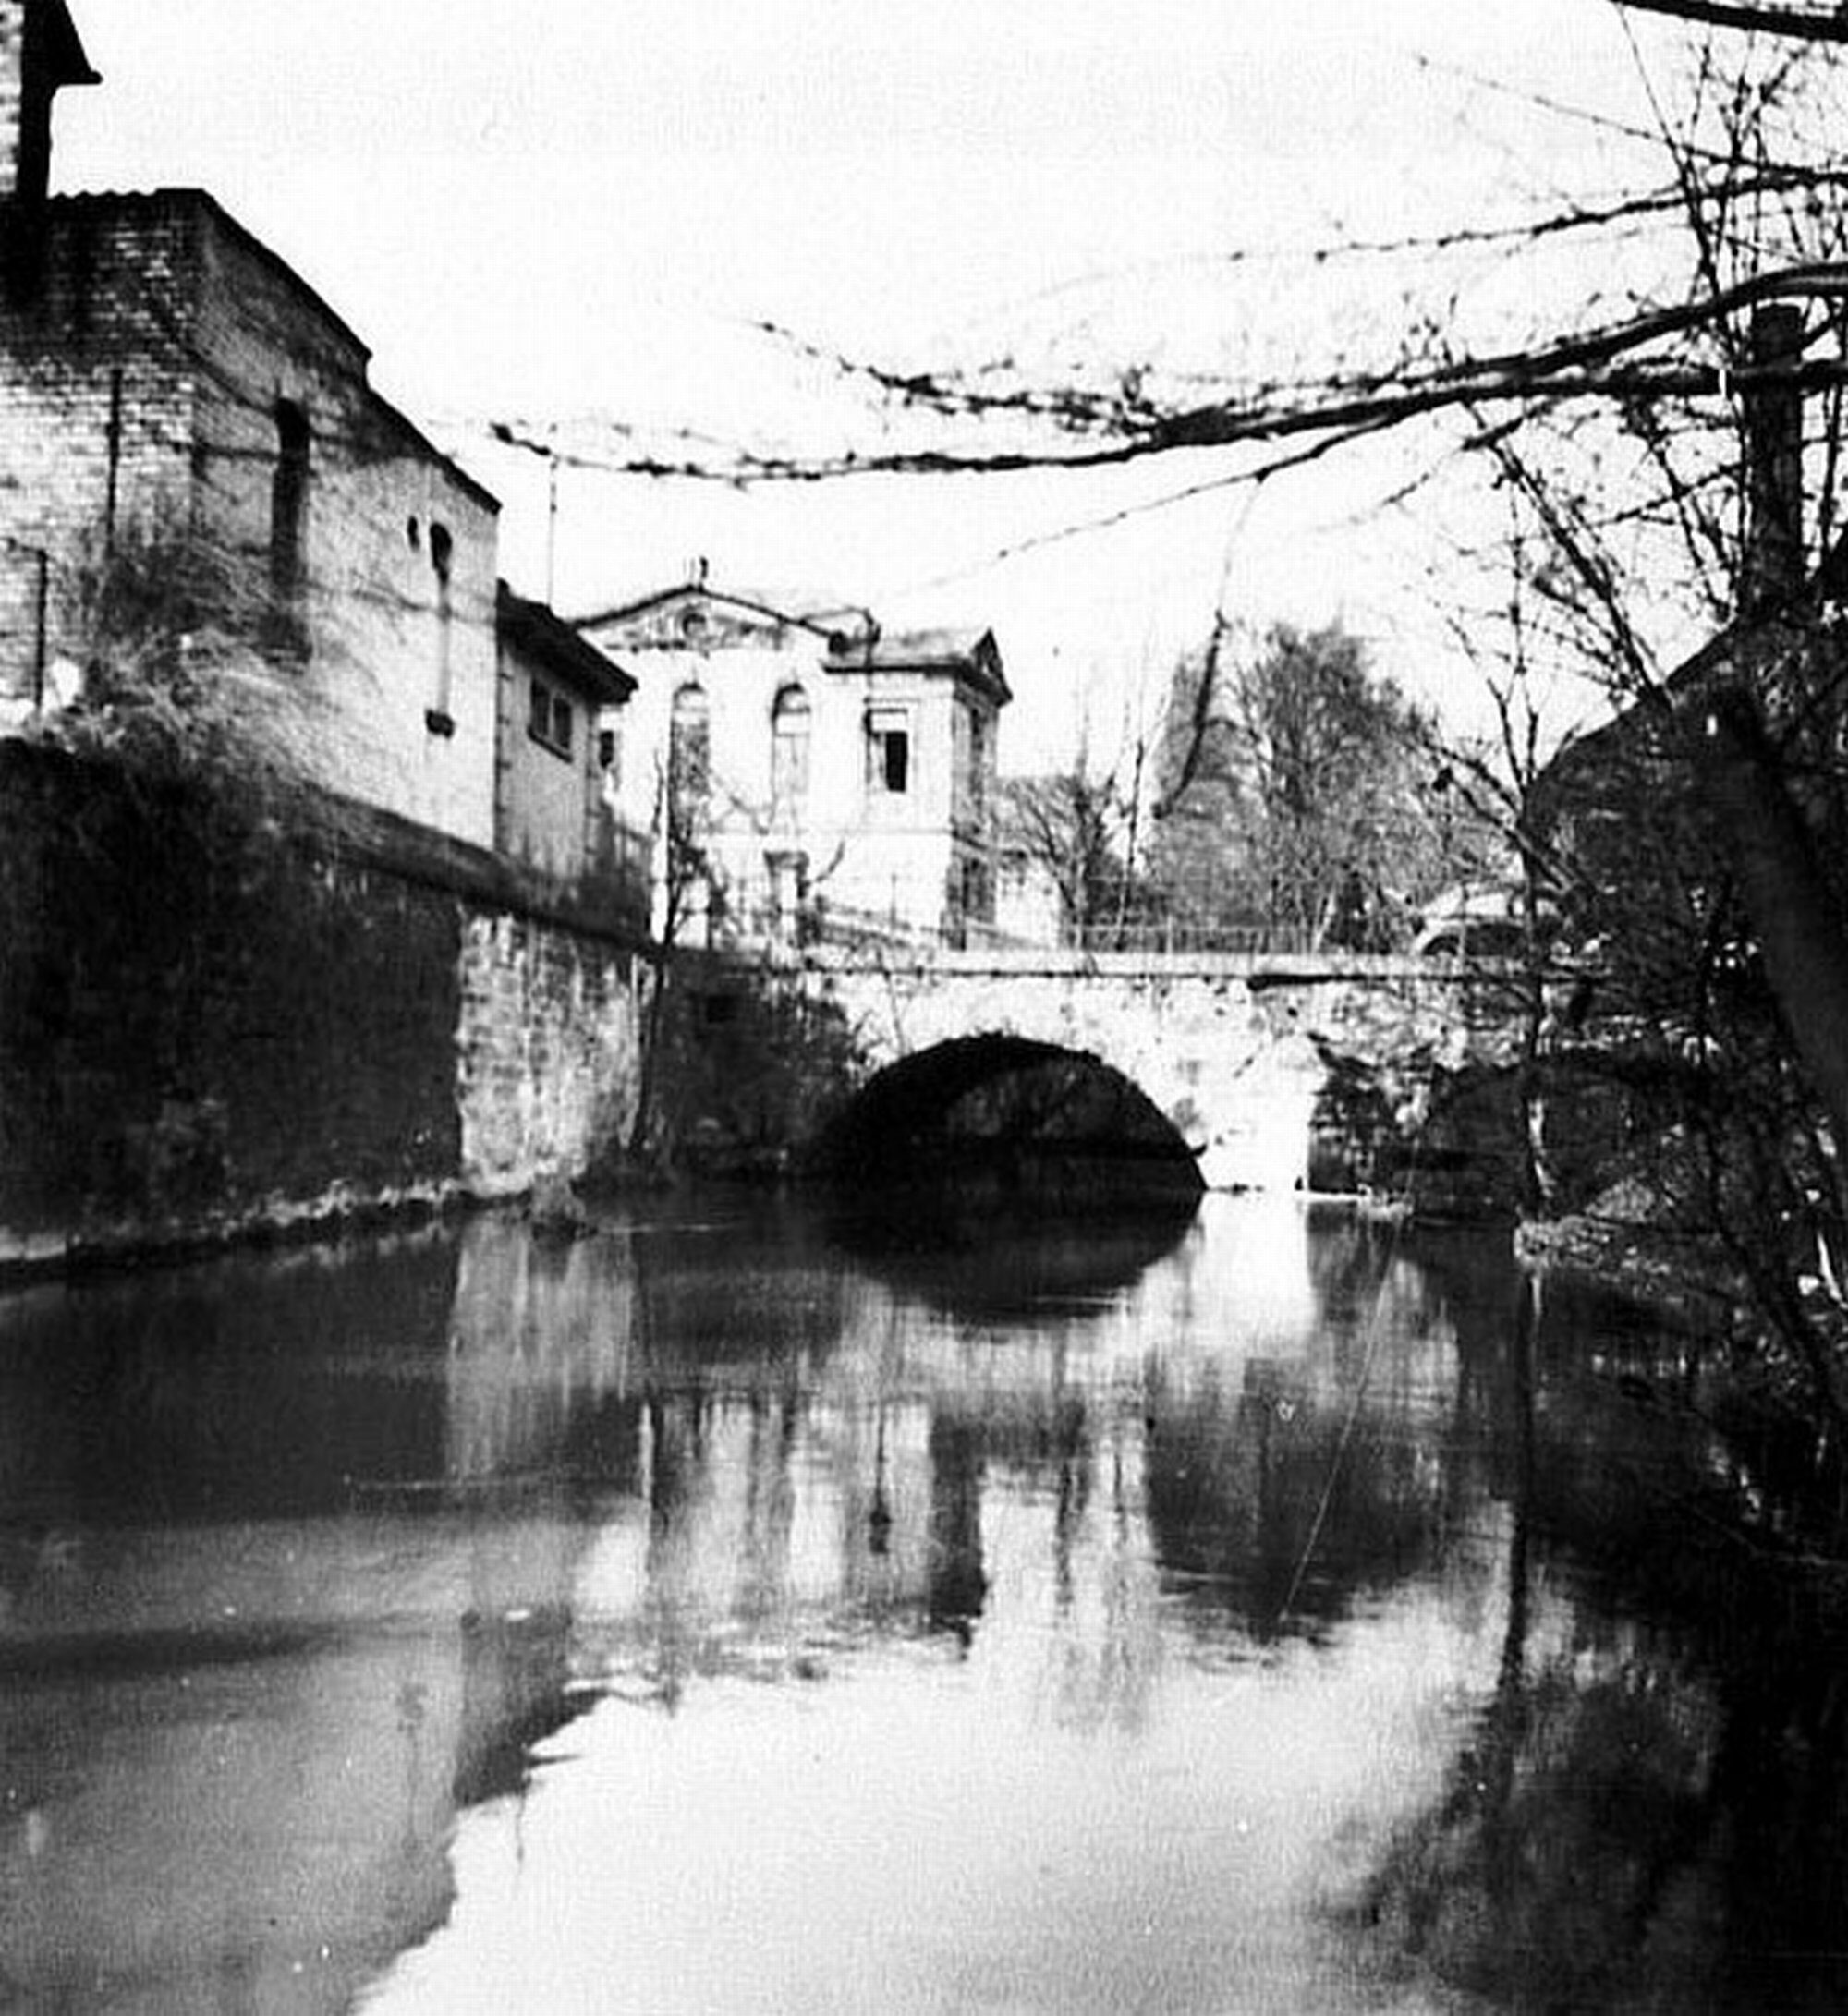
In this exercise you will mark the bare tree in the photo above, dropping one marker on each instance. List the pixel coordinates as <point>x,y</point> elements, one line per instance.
<point>1291,790</point>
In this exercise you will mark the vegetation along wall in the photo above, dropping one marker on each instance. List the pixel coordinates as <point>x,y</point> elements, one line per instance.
<point>206,1025</point>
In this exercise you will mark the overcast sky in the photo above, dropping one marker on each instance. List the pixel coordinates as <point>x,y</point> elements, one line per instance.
<point>575,212</point>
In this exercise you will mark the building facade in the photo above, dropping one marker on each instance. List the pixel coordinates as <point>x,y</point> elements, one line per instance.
<point>175,399</point>
<point>551,813</point>
<point>803,773</point>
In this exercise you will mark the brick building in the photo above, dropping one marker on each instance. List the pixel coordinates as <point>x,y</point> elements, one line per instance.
<point>170,386</point>
<point>798,771</point>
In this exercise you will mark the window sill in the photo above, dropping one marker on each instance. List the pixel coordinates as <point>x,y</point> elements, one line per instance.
<point>438,722</point>
<point>563,752</point>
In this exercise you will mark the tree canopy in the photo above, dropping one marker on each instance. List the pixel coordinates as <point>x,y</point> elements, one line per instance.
<point>1293,784</point>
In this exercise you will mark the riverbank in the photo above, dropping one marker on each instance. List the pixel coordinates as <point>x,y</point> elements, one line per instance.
<point>1681,1274</point>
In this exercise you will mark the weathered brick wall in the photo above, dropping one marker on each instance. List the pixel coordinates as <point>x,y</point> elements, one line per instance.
<point>146,365</point>
<point>96,395</point>
<point>388,649</point>
<point>197,1037</point>
<point>12,91</point>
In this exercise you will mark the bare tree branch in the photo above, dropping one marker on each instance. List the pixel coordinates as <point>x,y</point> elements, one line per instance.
<point>1804,23</point>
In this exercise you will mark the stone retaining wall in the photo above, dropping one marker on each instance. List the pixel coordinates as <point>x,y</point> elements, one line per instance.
<point>205,1031</point>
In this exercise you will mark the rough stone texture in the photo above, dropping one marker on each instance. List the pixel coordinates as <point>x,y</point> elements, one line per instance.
<point>1239,1052</point>
<point>547,1060</point>
<point>198,1037</point>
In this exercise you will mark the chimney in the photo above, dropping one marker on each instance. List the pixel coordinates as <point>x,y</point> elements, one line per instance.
<point>1771,562</point>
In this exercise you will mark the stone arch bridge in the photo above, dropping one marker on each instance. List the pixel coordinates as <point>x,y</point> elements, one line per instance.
<point>1238,1050</point>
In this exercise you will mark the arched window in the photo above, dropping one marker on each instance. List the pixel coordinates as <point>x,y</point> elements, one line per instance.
<point>789,726</point>
<point>689,752</point>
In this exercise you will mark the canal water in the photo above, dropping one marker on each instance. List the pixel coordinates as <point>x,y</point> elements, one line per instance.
<point>741,1608</point>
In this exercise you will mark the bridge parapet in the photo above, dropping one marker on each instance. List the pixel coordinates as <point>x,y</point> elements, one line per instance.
<point>1267,968</point>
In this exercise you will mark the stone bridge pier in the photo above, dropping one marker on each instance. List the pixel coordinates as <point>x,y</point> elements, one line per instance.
<point>1238,1050</point>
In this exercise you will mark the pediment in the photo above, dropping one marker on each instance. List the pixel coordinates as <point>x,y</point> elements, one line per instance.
<point>694,618</point>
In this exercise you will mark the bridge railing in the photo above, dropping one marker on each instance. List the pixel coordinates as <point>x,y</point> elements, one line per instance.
<point>841,927</point>
<point>1173,938</point>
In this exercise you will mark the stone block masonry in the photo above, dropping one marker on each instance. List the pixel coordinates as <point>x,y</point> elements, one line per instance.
<point>206,1032</point>
<point>546,1057</point>
<point>1249,1058</point>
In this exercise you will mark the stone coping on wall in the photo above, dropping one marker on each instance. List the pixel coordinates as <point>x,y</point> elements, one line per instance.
<point>372,838</point>
<point>324,824</point>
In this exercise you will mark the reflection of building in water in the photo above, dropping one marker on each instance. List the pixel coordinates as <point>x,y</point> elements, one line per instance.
<point>541,1336</point>
<point>286,1591</point>
<point>957,1583</point>
<point>370,1525</point>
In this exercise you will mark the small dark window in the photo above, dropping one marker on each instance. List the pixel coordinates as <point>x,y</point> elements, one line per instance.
<point>606,749</point>
<point>889,750</point>
<point>442,552</point>
<point>550,718</point>
<point>289,497</point>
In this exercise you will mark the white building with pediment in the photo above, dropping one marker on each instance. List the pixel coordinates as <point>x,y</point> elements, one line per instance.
<point>801,772</point>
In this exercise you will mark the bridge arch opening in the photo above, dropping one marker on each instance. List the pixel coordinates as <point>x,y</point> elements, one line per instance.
<point>1014,1114</point>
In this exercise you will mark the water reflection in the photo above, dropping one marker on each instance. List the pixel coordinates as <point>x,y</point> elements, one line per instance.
<point>1648,1811</point>
<point>717,1612</point>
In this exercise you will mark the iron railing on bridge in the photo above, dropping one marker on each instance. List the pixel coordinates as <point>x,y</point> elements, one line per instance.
<point>843,927</point>
<point>1172,938</point>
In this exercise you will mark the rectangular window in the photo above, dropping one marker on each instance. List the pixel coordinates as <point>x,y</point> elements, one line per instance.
<point>442,563</point>
<point>550,718</point>
<point>889,749</point>
<point>289,497</point>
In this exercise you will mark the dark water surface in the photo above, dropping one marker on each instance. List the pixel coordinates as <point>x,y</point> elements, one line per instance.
<point>728,1611</point>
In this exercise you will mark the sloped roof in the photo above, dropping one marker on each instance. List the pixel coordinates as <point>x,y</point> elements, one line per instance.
<point>969,651</point>
<point>64,46</point>
<point>132,208</point>
<point>928,647</point>
<point>560,650</point>
<point>853,638</point>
